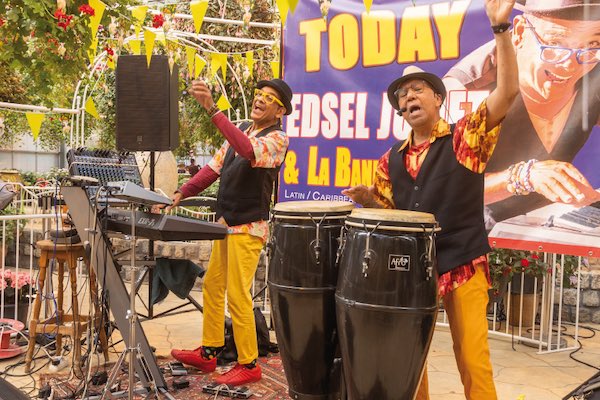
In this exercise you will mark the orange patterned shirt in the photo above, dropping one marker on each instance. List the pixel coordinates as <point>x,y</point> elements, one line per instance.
<point>269,152</point>
<point>473,147</point>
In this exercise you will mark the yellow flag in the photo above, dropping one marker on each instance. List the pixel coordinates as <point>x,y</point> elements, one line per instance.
<point>223,103</point>
<point>283,7</point>
<point>250,61</point>
<point>198,9</point>
<point>275,68</point>
<point>199,65</point>
<point>368,4</point>
<point>92,50</point>
<point>110,63</point>
<point>149,38</point>
<point>190,54</point>
<point>139,14</point>
<point>35,123</point>
<point>218,60</point>
<point>136,46</point>
<point>90,108</point>
<point>293,4</point>
<point>99,8</point>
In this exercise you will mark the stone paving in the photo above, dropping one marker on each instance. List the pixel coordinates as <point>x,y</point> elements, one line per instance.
<point>518,369</point>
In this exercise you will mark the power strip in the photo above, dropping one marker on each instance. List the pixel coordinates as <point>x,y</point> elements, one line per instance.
<point>58,363</point>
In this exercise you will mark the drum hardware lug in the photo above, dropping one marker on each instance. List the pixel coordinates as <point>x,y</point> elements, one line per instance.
<point>429,254</point>
<point>317,246</point>
<point>367,256</point>
<point>341,244</point>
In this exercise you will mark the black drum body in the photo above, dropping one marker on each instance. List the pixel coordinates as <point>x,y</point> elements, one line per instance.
<point>386,303</point>
<point>302,280</point>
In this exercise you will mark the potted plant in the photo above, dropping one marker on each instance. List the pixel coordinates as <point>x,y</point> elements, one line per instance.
<point>16,289</point>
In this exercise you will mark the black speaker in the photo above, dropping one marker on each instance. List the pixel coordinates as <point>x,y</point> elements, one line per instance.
<point>147,104</point>
<point>9,392</point>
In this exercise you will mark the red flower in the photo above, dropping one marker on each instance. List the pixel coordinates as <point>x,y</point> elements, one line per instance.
<point>87,9</point>
<point>64,20</point>
<point>525,262</point>
<point>535,257</point>
<point>109,51</point>
<point>158,20</point>
<point>2,22</point>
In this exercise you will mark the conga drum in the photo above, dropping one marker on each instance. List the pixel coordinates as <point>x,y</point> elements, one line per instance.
<point>386,302</point>
<point>302,278</point>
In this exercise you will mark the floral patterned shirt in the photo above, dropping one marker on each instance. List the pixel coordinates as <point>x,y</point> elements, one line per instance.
<point>269,152</point>
<point>473,147</point>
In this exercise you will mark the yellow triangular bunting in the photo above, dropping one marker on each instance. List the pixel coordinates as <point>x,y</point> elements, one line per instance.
<point>149,38</point>
<point>90,108</point>
<point>190,53</point>
<point>250,61</point>
<point>99,8</point>
<point>136,46</point>
<point>35,123</point>
<point>275,68</point>
<point>198,9</point>
<point>139,14</point>
<point>283,7</point>
<point>223,103</point>
<point>110,63</point>
<point>218,60</point>
<point>293,4</point>
<point>368,4</point>
<point>199,65</point>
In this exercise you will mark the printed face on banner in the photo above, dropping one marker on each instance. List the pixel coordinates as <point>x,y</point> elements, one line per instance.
<point>340,68</point>
<point>554,54</point>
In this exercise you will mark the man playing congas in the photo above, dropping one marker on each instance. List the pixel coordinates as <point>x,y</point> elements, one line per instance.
<point>439,169</point>
<point>247,164</point>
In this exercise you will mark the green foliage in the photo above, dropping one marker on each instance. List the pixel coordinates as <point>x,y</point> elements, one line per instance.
<point>505,263</point>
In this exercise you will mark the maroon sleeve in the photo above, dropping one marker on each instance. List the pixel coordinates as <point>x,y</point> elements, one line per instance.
<point>236,138</point>
<point>199,182</point>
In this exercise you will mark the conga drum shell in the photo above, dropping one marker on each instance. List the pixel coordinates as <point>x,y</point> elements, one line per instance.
<point>302,280</point>
<point>386,302</point>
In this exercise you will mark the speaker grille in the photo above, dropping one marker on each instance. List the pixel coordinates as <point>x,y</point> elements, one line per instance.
<point>147,104</point>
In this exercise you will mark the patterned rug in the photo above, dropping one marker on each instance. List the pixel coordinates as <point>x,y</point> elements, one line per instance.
<point>272,386</point>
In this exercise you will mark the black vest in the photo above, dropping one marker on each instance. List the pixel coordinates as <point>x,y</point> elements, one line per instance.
<point>452,193</point>
<point>244,192</point>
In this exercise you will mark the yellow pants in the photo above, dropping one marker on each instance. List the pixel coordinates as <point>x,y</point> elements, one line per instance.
<point>231,269</point>
<point>466,310</point>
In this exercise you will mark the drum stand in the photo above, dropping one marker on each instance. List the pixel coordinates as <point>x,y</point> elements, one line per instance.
<point>133,349</point>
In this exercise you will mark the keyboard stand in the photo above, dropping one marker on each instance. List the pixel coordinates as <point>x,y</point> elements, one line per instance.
<point>107,275</point>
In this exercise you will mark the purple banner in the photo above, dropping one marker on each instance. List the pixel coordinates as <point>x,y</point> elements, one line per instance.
<point>339,68</point>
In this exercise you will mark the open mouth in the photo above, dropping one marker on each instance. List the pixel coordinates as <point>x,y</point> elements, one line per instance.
<point>413,108</point>
<point>552,77</point>
<point>258,107</point>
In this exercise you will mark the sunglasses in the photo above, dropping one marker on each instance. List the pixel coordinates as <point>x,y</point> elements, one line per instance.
<point>267,97</point>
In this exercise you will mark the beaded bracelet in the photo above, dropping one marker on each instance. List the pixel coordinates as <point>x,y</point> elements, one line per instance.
<point>213,110</point>
<point>519,174</point>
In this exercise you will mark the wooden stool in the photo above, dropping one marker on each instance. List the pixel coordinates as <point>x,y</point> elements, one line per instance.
<point>63,253</point>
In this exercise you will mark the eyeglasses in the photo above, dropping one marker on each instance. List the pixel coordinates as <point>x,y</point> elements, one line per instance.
<point>417,87</point>
<point>558,54</point>
<point>267,97</point>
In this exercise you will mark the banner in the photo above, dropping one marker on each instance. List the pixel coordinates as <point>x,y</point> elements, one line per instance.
<point>339,68</point>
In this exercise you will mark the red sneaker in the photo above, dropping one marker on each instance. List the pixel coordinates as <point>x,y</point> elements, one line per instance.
<point>240,375</point>
<point>195,359</point>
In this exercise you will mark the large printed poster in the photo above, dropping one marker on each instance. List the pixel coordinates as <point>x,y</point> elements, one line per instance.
<point>340,66</point>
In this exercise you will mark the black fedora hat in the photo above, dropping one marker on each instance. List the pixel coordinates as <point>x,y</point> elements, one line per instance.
<point>285,93</point>
<point>580,10</point>
<point>414,72</point>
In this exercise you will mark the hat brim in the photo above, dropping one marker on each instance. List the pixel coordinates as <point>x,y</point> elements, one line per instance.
<point>434,81</point>
<point>287,103</point>
<point>573,12</point>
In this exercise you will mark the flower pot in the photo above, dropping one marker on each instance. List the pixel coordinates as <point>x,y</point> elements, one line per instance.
<point>528,284</point>
<point>529,301</point>
<point>23,312</point>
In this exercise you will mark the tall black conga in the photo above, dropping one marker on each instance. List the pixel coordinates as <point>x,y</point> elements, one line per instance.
<point>302,278</point>
<point>386,302</point>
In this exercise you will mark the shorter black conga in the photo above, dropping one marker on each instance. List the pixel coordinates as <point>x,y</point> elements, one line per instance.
<point>302,277</point>
<point>386,302</point>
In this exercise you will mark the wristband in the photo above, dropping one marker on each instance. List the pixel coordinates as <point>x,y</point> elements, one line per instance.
<point>503,27</point>
<point>213,110</point>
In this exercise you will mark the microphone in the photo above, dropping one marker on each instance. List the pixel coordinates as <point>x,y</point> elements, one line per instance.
<point>401,111</point>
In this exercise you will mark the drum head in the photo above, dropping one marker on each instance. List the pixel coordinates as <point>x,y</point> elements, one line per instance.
<point>388,219</point>
<point>312,208</point>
